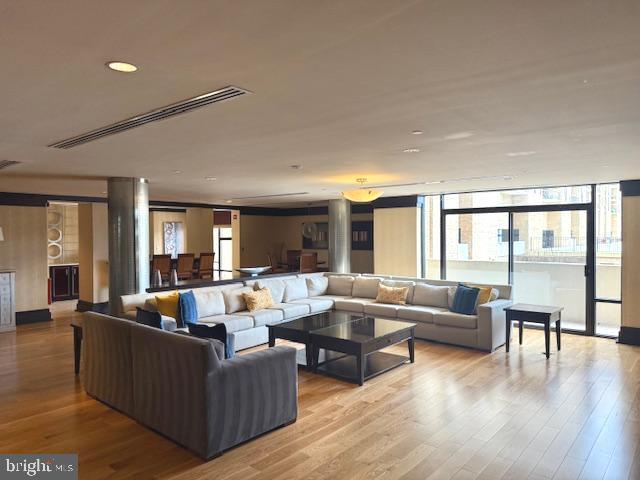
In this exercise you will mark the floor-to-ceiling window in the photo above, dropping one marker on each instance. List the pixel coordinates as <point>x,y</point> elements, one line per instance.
<point>431,237</point>
<point>555,245</point>
<point>223,250</point>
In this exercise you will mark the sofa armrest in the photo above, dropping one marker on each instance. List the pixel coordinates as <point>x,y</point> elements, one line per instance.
<point>249,395</point>
<point>491,324</point>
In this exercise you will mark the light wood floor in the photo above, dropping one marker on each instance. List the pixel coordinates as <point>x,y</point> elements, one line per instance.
<point>455,413</point>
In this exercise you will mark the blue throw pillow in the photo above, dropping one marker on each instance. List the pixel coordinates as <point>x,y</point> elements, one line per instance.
<point>188,309</point>
<point>465,300</point>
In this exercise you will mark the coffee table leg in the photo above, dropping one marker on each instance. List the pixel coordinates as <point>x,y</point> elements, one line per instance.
<point>547,337</point>
<point>308,350</point>
<point>558,332</point>
<point>411,343</point>
<point>360,359</point>
<point>314,357</point>
<point>508,329</point>
<point>272,338</point>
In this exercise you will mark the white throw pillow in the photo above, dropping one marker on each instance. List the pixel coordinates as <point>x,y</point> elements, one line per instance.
<point>275,286</point>
<point>233,299</point>
<point>317,285</point>
<point>295,289</point>
<point>209,302</point>
<point>401,283</point>
<point>340,285</point>
<point>431,295</point>
<point>365,287</point>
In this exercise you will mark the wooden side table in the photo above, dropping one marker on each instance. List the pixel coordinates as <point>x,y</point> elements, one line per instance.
<point>545,315</point>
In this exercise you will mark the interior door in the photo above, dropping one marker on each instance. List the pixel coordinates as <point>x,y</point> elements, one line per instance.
<point>550,260</point>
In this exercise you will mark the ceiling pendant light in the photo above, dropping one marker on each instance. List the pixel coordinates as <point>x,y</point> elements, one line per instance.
<point>362,194</point>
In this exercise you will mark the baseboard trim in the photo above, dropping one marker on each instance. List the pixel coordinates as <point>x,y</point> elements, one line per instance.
<point>33,316</point>
<point>84,306</point>
<point>629,336</point>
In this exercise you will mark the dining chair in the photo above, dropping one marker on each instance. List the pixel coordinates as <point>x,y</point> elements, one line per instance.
<point>308,262</point>
<point>162,263</point>
<point>293,260</point>
<point>274,266</point>
<point>205,269</point>
<point>185,266</point>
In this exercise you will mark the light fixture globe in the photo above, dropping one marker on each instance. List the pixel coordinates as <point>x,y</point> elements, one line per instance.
<point>362,194</point>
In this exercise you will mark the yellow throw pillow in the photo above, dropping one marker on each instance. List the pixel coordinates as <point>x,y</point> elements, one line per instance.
<point>393,295</point>
<point>484,296</point>
<point>168,304</point>
<point>258,299</point>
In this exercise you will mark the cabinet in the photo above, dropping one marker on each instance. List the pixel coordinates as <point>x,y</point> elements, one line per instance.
<point>7,301</point>
<point>65,282</point>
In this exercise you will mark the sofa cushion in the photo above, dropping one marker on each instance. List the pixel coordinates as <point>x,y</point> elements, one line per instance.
<point>465,300</point>
<point>209,302</point>
<point>317,285</point>
<point>292,310</point>
<point>258,299</point>
<point>451,296</point>
<point>234,299</point>
<point>419,313</point>
<point>234,323</point>
<point>392,295</point>
<point>352,304</point>
<point>295,289</point>
<point>381,309</point>
<point>150,305</point>
<point>264,317</point>
<point>340,285</point>
<point>458,320</point>
<point>401,283</point>
<point>365,287</point>
<point>275,286</point>
<point>316,304</point>
<point>431,295</point>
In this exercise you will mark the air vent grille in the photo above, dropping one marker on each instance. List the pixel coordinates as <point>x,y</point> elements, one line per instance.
<point>162,113</point>
<point>277,195</point>
<point>7,163</point>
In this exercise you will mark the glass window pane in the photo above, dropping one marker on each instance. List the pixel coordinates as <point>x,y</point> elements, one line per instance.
<point>476,250</point>
<point>549,262</point>
<point>432,236</point>
<point>225,232</point>
<point>532,196</point>
<point>608,318</point>
<point>226,255</point>
<point>608,241</point>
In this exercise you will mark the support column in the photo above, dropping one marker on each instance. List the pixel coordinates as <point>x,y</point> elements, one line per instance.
<point>340,235</point>
<point>128,200</point>
<point>630,321</point>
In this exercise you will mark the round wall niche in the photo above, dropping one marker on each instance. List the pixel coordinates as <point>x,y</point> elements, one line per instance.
<point>54,251</point>
<point>54,234</point>
<point>54,218</point>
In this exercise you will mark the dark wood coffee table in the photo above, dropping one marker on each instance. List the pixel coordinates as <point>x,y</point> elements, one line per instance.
<point>543,314</point>
<point>298,331</point>
<point>361,341</point>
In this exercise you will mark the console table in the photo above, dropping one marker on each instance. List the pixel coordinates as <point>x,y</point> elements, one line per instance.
<point>545,315</point>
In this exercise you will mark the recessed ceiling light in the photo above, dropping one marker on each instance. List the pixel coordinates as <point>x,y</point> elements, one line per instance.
<point>507,177</point>
<point>177,172</point>
<point>123,67</point>
<point>210,179</point>
<point>228,201</point>
<point>459,135</point>
<point>417,132</point>
<point>434,182</point>
<point>525,153</point>
<point>411,150</point>
<point>104,193</point>
<point>296,167</point>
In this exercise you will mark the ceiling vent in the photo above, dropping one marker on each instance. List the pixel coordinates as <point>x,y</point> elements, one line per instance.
<point>7,163</point>
<point>162,113</point>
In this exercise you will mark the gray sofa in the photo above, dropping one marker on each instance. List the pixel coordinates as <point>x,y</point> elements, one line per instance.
<point>428,304</point>
<point>181,386</point>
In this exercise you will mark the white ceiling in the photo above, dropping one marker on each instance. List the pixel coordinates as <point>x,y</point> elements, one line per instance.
<point>338,87</point>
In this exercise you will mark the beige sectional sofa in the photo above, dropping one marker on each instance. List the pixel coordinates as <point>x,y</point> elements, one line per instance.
<point>428,305</point>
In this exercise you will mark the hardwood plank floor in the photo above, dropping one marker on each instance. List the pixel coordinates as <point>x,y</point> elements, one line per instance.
<point>455,413</point>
